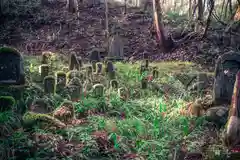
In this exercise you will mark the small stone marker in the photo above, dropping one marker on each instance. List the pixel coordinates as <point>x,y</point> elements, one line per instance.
<point>11,67</point>
<point>155,73</point>
<point>61,80</point>
<point>110,70</point>
<point>95,55</point>
<point>98,90</point>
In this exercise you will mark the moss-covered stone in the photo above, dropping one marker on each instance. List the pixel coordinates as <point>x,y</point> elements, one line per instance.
<point>72,74</point>
<point>98,90</point>
<point>6,103</point>
<point>30,119</point>
<point>65,112</point>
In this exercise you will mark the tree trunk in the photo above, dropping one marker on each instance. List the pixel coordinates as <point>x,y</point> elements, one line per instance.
<point>190,10</point>
<point>200,10</point>
<point>199,16</point>
<point>162,40</point>
<point>211,2</point>
<point>106,21</point>
<point>221,14</point>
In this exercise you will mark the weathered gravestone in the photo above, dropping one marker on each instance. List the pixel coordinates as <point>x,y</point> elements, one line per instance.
<point>11,67</point>
<point>226,69</point>
<point>115,50</point>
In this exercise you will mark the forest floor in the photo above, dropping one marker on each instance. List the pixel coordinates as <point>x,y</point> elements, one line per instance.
<point>33,29</point>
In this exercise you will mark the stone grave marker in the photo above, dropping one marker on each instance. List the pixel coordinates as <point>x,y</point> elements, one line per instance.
<point>94,56</point>
<point>115,50</point>
<point>11,67</point>
<point>226,69</point>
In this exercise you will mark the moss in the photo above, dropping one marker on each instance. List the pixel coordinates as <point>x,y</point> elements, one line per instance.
<point>31,118</point>
<point>72,74</point>
<point>7,50</point>
<point>49,84</point>
<point>6,103</point>
<point>45,58</point>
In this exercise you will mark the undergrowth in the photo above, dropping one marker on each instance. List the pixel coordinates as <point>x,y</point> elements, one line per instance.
<point>147,124</point>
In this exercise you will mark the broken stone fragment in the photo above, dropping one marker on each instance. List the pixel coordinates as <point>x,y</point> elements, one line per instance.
<point>218,115</point>
<point>65,112</point>
<point>7,103</point>
<point>31,119</point>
